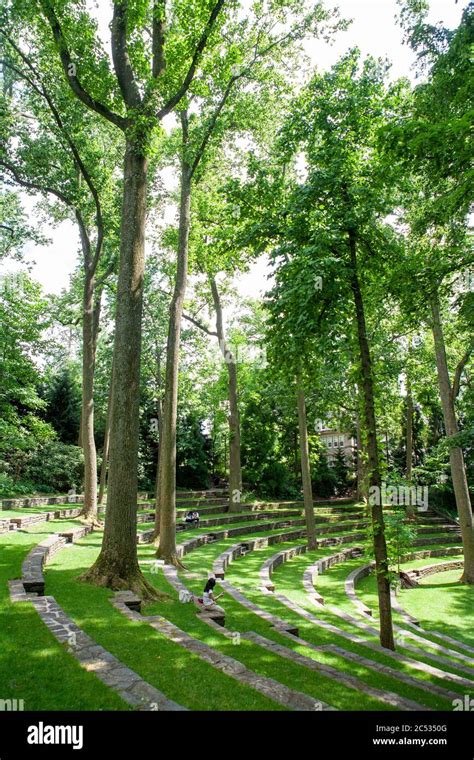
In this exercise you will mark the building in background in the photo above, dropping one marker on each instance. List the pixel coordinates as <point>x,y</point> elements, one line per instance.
<point>335,440</point>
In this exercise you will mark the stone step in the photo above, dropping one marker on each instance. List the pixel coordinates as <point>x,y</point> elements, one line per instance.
<point>92,657</point>
<point>293,700</point>
<point>39,501</point>
<point>32,567</point>
<point>351,682</point>
<point>319,567</point>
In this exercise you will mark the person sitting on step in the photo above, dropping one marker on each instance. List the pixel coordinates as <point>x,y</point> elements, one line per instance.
<point>192,518</point>
<point>208,598</point>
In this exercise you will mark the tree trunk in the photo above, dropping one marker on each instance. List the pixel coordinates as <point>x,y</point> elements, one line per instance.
<point>105,450</point>
<point>235,469</point>
<point>159,411</point>
<point>456,457</point>
<point>89,343</point>
<point>361,469</point>
<point>117,564</point>
<point>305,466</point>
<point>378,526</point>
<point>411,509</point>
<point>167,455</point>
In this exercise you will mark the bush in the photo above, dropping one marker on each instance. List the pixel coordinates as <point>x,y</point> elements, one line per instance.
<point>274,480</point>
<point>55,467</point>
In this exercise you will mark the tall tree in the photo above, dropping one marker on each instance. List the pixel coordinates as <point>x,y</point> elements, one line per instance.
<point>135,97</point>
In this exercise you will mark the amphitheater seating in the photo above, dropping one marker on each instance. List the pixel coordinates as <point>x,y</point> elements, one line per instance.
<point>329,642</point>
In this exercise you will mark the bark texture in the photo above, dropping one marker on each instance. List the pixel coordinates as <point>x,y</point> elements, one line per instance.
<point>456,456</point>
<point>378,526</point>
<point>166,502</point>
<point>235,469</point>
<point>117,564</point>
<point>305,465</point>
<point>90,326</point>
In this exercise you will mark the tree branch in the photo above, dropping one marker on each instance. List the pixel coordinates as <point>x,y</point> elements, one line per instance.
<point>212,124</point>
<point>42,92</point>
<point>120,57</point>
<point>70,69</point>
<point>46,189</point>
<point>202,327</point>
<point>173,101</point>
<point>158,38</point>
<point>458,373</point>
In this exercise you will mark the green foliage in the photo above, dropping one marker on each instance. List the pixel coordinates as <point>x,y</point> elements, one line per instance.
<point>63,398</point>
<point>192,454</point>
<point>55,467</point>
<point>399,536</point>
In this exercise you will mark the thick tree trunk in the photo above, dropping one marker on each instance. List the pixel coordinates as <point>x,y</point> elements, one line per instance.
<point>456,457</point>
<point>89,343</point>
<point>235,469</point>
<point>167,458</point>
<point>305,466</point>
<point>378,526</point>
<point>117,564</point>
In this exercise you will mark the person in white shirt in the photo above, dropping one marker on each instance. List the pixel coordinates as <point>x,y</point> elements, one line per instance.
<point>208,598</point>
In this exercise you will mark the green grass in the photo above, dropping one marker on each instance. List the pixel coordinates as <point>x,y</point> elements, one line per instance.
<point>182,676</point>
<point>440,602</point>
<point>33,665</point>
<point>244,574</point>
<point>292,571</point>
<point>443,604</point>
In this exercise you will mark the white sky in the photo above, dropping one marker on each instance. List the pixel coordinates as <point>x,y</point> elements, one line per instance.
<point>373,30</point>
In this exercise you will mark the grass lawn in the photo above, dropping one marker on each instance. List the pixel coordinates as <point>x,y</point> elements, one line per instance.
<point>33,665</point>
<point>181,676</point>
<point>46,676</point>
<point>244,574</point>
<point>443,604</point>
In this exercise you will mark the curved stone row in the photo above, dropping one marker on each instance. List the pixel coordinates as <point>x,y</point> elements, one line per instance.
<point>362,572</point>
<point>93,657</point>
<point>285,628</point>
<point>367,629</point>
<point>352,682</point>
<point>229,518</point>
<point>440,567</point>
<point>355,639</point>
<point>20,523</point>
<point>410,620</point>
<point>274,561</point>
<point>278,692</point>
<point>319,567</point>
<point>38,501</point>
<point>243,547</point>
<point>32,567</point>
<point>350,583</point>
<point>236,550</point>
<point>288,630</point>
